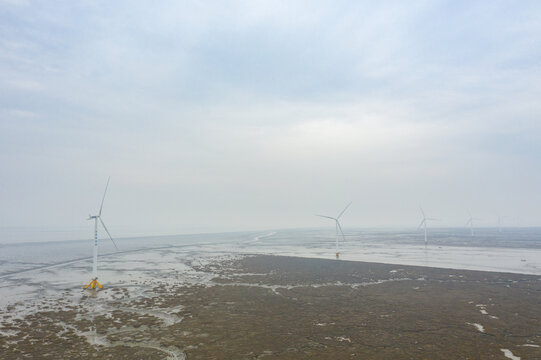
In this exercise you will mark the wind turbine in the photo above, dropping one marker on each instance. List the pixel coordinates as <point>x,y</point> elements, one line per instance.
<point>470,222</point>
<point>338,227</point>
<point>423,222</point>
<point>94,282</point>
<point>500,218</point>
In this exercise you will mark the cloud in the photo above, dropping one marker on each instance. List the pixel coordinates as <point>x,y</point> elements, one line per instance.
<point>15,2</point>
<point>264,111</point>
<point>22,113</point>
<point>25,84</point>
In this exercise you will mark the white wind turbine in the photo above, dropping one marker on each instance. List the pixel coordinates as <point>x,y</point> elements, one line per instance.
<point>500,218</point>
<point>94,282</point>
<point>470,223</point>
<point>338,227</point>
<point>423,222</point>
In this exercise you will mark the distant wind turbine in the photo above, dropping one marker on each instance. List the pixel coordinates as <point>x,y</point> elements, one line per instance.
<point>500,218</point>
<point>338,227</point>
<point>423,222</point>
<point>470,223</point>
<point>94,282</point>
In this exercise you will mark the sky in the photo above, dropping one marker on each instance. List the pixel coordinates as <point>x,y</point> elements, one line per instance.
<point>250,115</point>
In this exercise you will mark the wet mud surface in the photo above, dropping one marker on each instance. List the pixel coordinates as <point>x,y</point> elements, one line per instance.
<point>270,307</point>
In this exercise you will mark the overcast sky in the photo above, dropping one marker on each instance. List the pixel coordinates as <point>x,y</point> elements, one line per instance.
<point>248,115</point>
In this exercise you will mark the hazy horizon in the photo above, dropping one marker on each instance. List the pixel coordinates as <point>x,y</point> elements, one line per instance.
<point>255,115</point>
<point>29,235</point>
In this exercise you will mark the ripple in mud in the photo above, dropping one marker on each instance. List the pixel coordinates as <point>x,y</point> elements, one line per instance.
<point>288,308</point>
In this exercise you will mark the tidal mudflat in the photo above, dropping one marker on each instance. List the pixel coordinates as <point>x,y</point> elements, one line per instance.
<point>275,307</point>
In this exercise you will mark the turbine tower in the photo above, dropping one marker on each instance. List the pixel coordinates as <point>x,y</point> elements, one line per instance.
<point>423,222</point>
<point>470,223</point>
<point>94,282</point>
<point>338,227</point>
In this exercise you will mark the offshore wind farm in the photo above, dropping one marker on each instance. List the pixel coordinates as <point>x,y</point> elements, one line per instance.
<point>219,129</point>
<point>154,285</point>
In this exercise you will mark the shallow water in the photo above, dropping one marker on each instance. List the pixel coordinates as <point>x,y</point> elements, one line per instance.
<point>33,270</point>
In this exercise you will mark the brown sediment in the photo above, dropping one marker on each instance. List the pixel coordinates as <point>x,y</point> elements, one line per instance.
<point>269,307</point>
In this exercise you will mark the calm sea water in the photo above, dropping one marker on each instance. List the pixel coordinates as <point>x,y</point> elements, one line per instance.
<point>393,246</point>
<point>31,272</point>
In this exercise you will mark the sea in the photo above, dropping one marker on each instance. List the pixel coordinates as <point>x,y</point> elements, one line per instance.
<point>32,270</point>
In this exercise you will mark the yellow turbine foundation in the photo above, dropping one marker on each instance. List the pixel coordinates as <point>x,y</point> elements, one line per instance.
<point>93,284</point>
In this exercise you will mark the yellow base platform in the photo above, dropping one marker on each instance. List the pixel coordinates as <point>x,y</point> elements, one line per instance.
<point>93,284</point>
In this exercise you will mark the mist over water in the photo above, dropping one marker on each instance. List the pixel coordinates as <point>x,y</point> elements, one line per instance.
<point>447,247</point>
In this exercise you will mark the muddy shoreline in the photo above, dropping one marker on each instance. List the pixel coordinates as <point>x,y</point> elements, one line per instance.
<point>275,307</point>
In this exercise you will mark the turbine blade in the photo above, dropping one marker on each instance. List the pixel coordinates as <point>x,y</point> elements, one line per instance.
<point>105,192</point>
<point>343,236</point>
<point>107,231</point>
<point>343,211</point>
<point>421,224</point>
<point>328,217</point>
<point>422,212</point>
<point>469,221</point>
